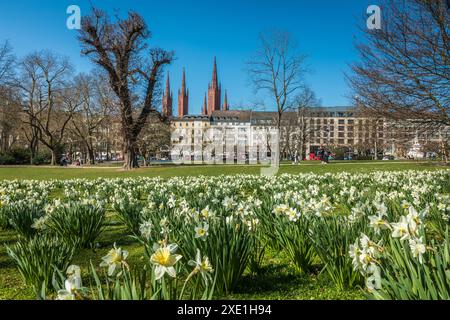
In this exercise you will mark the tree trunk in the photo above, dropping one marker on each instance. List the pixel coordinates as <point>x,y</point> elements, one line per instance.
<point>54,157</point>
<point>130,156</point>
<point>91,155</point>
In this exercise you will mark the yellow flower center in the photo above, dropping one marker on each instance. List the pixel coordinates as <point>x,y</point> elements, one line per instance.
<point>163,257</point>
<point>116,258</point>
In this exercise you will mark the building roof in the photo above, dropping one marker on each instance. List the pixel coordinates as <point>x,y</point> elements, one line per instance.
<point>253,116</point>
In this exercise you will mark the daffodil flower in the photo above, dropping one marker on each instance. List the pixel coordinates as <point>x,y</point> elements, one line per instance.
<point>115,258</point>
<point>202,231</point>
<point>146,229</point>
<point>73,281</point>
<point>202,266</point>
<point>417,248</point>
<point>164,259</point>
<point>401,229</point>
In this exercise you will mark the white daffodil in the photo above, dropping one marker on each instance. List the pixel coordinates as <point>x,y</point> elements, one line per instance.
<point>202,231</point>
<point>378,223</point>
<point>373,282</point>
<point>146,229</point>
<point>414,220</point>
<point>405,204</point>
<point>381,208</point>
<point>354,254</point>
<point>401,229</point>
<point>292,214</point>
<point>228,203</point>
<point>417,248</point>
<point>206,213</point>
<point>164,224</point>
<point>115,258</point>
<point>73,281</point>
<point>202,266</point>
<point>164,259</point>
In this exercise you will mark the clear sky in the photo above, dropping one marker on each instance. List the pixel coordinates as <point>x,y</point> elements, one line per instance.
<point>198,30</point>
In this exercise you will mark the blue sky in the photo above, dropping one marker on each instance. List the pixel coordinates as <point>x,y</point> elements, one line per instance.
<point>198,30</point>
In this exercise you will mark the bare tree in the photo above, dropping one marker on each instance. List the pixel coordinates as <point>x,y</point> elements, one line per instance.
<point>305,101</point>
<point>7,61</point>
<point>404,70</point>
<point>49,98</point>
<point>154,138</point>
<point>119,49</point>
<point>96,104</point>
<point>9,115</point>
<point>10,120</point>
<point>278,69</point>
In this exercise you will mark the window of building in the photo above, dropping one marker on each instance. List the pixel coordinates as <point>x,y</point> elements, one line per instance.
<point>341,141</point>
<point>341,135</point>
<point>341,121</point>
<point>341,128</point>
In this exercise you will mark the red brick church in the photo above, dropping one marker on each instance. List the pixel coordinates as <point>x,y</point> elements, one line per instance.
<point>211,103</point>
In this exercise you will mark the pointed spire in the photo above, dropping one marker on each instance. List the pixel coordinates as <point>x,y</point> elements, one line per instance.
<point>167,99</point>
<point>168,84</point>
<point>205,106</point>
<point>214,77</point>
<point>183,98</point>
<point>225,102</point>
<point>183,82</point>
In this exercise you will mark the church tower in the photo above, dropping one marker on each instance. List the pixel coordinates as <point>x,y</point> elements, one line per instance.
<point>183,98</point>
<point>214,92</point>
<point>167,109</point>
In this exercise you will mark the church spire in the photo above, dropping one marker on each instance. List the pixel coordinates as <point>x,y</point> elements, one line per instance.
<point>214,91</point>
<point>215,82</point>
<point>225,102</point>
<point>183,82</point>
<point>205,107</point>
<point>183,98</point>
<point>167,99</point>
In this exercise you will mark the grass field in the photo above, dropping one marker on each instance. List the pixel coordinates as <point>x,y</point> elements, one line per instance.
<point>278,278</point>
<point>30,172</point>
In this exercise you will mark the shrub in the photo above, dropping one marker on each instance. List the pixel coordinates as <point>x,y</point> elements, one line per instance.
<point>42,157</point>
<point>16,156</point>
<point>6,159</point>
<point>77,223</point>
<point>21,156</point>
<point>37,259</point>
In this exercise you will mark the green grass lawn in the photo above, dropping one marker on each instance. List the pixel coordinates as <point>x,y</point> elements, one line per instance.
<point>30,172</point>
<point>277,279</point>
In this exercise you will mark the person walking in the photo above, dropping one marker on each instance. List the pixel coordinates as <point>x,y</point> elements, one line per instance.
<point>326,156</point>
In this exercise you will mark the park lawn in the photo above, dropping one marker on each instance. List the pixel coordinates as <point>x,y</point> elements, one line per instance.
<point>277,279</point>
<point>166,171</point>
